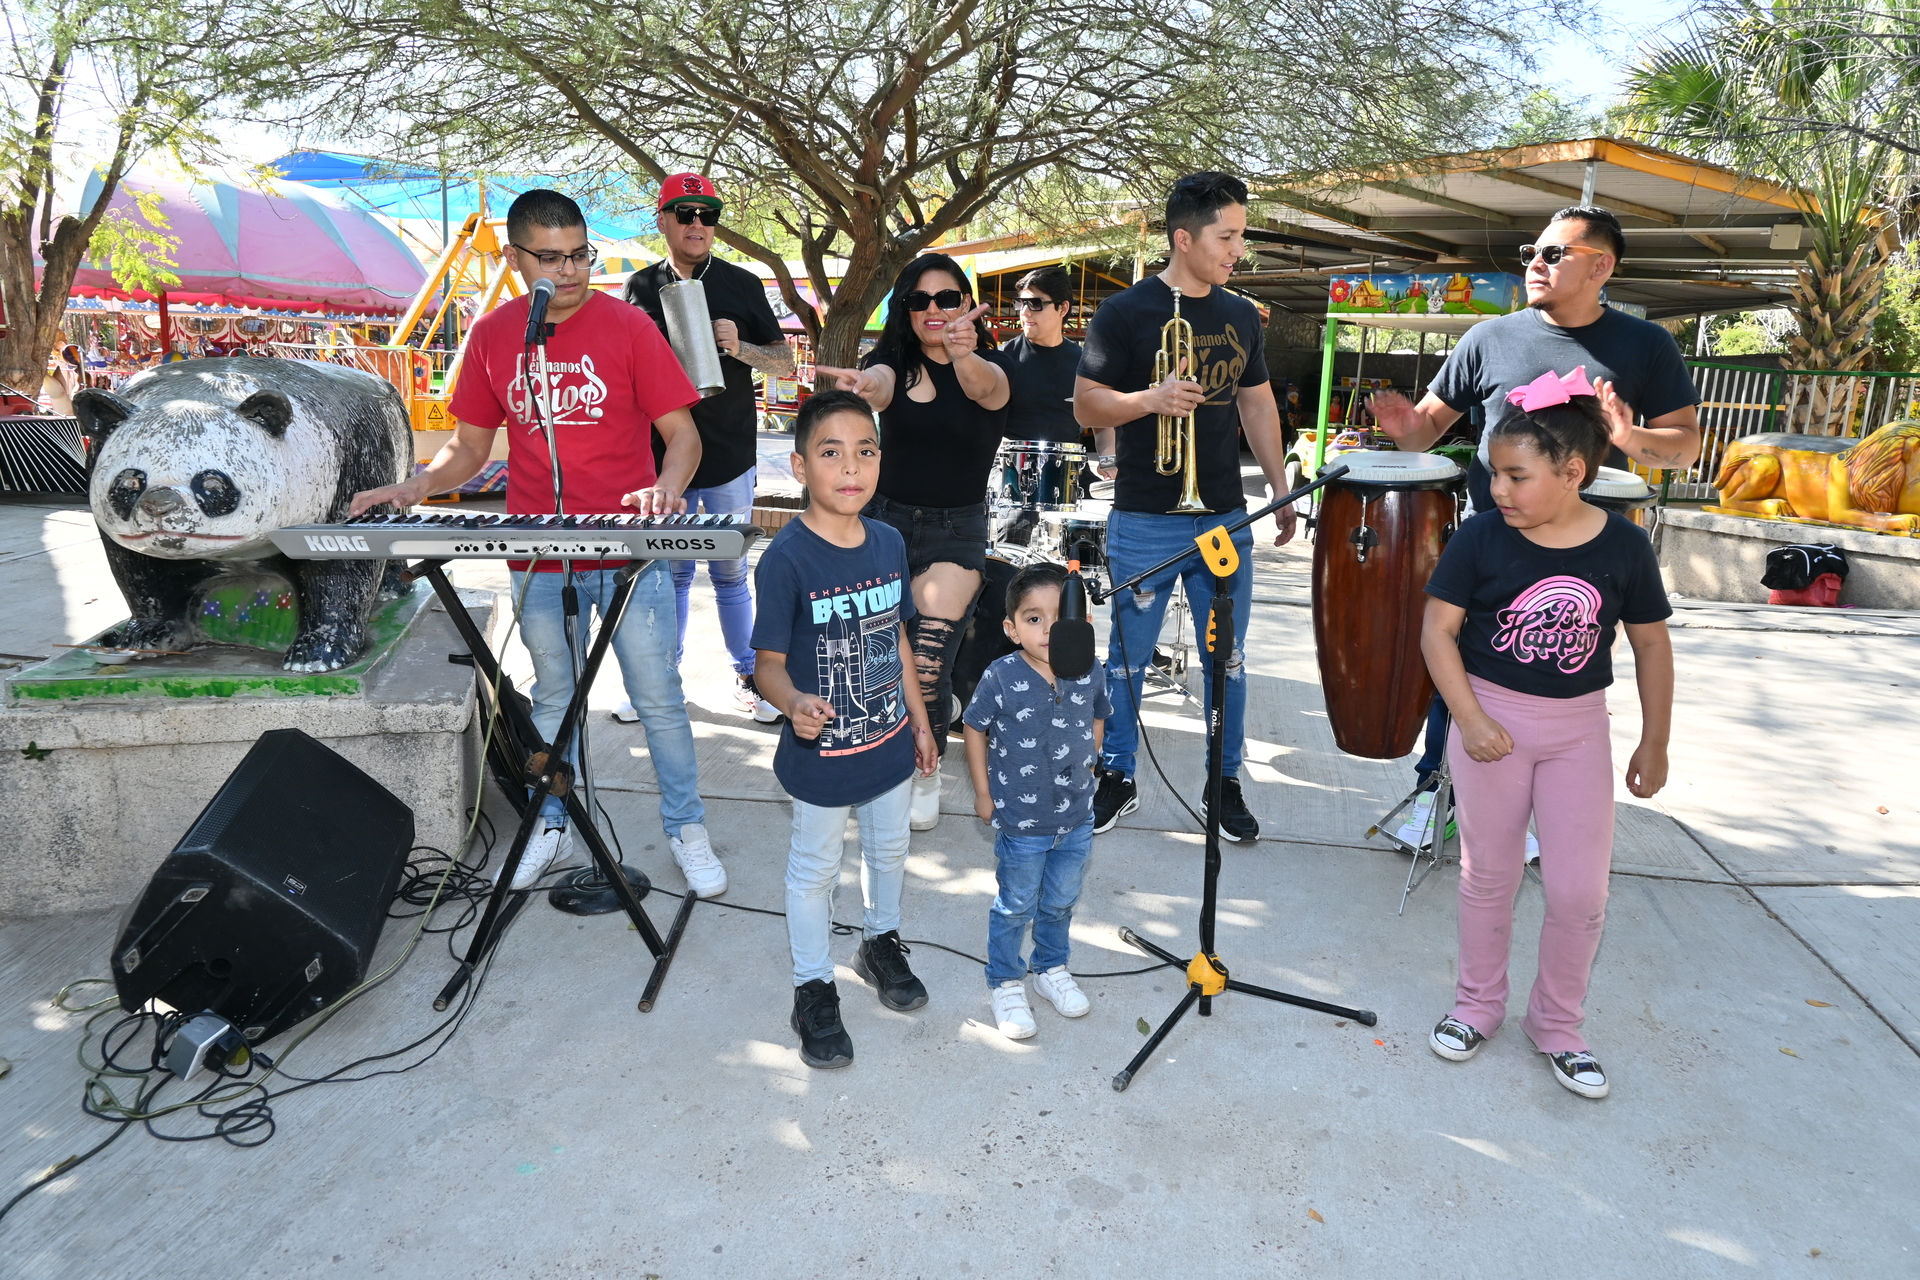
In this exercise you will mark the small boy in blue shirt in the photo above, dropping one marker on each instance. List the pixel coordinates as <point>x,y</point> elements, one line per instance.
<point>1032,741</point>
<point>831,653</point>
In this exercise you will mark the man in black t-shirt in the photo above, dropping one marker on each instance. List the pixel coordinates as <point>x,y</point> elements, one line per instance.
<point>750,341</point>
<point>1229,393</point>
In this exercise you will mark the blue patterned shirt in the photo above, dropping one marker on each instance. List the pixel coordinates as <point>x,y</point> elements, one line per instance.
<point>1039,744</point>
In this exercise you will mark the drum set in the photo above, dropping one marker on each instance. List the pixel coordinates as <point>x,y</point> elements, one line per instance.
<point>1038,499</point>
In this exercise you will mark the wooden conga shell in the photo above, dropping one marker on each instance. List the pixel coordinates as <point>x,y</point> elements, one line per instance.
<point>1367,610</point>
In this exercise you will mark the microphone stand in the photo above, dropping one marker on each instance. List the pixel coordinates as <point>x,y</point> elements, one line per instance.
<point>1206,973</point>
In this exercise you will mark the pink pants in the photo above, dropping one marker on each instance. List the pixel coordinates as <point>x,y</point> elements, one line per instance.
<point>1560,773</point>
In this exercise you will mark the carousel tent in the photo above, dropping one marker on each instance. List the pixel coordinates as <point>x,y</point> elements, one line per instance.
<point>291,248</point>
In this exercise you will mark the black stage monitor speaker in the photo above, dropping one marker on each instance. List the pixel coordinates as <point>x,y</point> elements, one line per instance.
<point>269,908</point>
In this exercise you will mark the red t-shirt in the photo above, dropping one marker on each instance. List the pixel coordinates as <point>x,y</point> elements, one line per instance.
<point>610,376</point>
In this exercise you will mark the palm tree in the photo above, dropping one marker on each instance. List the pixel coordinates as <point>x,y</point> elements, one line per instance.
<point>1821,97</point>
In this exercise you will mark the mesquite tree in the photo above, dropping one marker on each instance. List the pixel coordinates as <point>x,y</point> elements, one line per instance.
<point>853,134</point>
<point>146,76</point>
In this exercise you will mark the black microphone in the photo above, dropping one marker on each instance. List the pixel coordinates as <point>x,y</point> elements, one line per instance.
<point>537,310</point>
<point>1070,642</point>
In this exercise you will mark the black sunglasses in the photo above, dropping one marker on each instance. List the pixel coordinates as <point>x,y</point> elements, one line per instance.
<point>946,300</point>
<point>708,216</point>
<point>1552,253</point>
<point>1035,304</point>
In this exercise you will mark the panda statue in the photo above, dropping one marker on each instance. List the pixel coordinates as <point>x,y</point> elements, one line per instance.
<point>191,465</point>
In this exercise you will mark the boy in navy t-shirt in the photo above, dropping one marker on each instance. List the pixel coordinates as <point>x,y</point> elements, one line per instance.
<point>830,647</point>
<point>1032,740</point>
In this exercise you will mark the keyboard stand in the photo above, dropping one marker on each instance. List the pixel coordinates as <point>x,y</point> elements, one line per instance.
<point>519,758</point>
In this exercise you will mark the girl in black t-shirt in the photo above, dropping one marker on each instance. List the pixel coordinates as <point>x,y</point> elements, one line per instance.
<point>1518,634</point>
<point>941,393</point>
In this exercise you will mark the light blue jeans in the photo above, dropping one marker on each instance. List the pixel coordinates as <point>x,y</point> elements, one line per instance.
<point>731,590</point>
<point>644,647</point>
<point>1137,541</point>
<point>813,872</point>
<point>1039,879</point>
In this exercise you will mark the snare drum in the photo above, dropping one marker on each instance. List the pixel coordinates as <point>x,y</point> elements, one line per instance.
<point>1377,542</point>
<point>1038,475</point>
<point>1621,491</point>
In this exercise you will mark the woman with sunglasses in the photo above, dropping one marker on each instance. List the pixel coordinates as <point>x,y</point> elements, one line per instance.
<point>941,392</point>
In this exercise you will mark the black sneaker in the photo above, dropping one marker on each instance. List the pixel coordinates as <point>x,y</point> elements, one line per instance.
<point>1580,1073</point>
<point>1113,799</point>
<point>882,961</point>
<point>1237,822</point>
<point>824,1043</point>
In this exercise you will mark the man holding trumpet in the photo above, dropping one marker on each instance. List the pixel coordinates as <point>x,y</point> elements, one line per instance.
<point>1227,392</point>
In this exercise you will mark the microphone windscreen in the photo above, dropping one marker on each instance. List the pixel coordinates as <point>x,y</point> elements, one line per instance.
<point>1070,648</point>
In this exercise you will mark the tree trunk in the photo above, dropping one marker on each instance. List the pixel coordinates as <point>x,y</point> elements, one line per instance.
<point>1835,307</point>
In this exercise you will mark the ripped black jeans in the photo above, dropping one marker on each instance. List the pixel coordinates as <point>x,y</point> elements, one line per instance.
<point>934,535</point>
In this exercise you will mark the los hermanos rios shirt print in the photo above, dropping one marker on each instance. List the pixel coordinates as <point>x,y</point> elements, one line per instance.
<point>610,376</point>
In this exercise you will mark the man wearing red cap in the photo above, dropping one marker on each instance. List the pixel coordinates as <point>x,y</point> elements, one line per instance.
<point>750,341</point>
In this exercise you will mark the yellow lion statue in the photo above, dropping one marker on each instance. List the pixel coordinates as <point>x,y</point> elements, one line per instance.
<point>1869,484</point>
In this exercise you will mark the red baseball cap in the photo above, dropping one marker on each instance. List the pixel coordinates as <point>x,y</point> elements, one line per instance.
<point>688,188</point>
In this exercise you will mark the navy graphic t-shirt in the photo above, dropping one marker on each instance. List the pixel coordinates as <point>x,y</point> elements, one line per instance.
<point>836,613</point>
<point>1540,620</point>
<point>1039,744</point>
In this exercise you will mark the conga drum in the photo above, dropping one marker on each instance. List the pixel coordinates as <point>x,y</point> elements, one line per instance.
<point>1378,539</point>
<point>1621,491</point>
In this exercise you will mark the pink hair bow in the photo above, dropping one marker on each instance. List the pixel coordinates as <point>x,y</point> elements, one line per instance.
<point>1550,389</point>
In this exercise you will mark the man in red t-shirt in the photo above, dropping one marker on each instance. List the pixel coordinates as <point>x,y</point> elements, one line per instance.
<point>611,380</point>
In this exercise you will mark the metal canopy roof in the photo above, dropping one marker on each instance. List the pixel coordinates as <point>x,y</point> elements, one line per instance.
<point>1700,237</point>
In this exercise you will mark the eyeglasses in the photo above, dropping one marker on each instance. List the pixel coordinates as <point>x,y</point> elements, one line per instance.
<point>708,216</point>
<point>946,300</point>
<point>1552,253</point>
<point>580,258</point>
<point>1035,304</point>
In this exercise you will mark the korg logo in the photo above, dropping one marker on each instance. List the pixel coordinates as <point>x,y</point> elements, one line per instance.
<point>329,542</point>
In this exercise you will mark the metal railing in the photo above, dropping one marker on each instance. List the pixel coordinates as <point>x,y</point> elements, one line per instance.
<point>1737,400</point>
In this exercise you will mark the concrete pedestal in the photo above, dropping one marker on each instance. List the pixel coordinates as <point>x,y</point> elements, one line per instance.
<point>97,790</point>
<point>1713,557</point>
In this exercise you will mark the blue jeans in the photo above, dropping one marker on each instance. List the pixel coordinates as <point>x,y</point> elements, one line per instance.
<point>1137,541</point>
<point>1039,878</point>
<point>731,590</point>
<point>1436,743</point>
<point>813,872</point>
<point>644,647</point>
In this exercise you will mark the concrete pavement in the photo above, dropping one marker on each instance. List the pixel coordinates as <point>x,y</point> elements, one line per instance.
<point>1753,1003</point>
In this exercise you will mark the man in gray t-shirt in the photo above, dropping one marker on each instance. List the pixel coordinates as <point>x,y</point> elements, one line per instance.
<point>1634,364</point>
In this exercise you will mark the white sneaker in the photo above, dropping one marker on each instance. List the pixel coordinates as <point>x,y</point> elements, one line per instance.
<point>548,846</point>
<point>694,852</point>
<point>1010,1011</point>
<point>1062,992</point>
<point>924,815</point>
<point>746,696</point>
<point>625,713</point>
<point>1417,829</point>
<point>1533,847</point>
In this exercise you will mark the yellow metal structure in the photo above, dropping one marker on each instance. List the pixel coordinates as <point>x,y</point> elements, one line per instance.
<point>473,265</point>
<point>1208,973</point>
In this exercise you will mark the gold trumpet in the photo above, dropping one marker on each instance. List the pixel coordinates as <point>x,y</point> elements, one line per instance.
<point>1176,440</point>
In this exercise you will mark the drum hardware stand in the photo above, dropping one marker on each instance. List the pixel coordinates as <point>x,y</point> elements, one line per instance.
<point>1172,678</point>
<point>1434,842</point>
<point>1207,975</point>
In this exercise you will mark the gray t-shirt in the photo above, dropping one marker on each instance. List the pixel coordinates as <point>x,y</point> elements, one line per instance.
<point>1039,744</point>
<point>1639,357</point>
